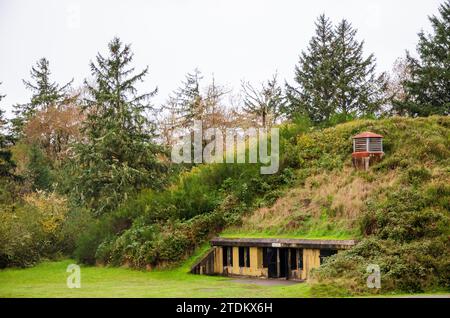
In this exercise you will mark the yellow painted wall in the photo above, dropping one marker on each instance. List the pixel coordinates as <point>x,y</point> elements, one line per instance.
<point>311,259</point>
<point>255,268</point>
<point>235,269</point>
<point>218,260</point>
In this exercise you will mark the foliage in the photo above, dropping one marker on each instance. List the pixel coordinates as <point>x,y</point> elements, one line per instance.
<point>333,77</point>
<point>45,94</point>
<point>405,225</point>
<point>428,86</point>
<point>32,230</point>
<point>117,156</point>
<point>54,130</point>
<point>38,169</point>
<point>166,226</point>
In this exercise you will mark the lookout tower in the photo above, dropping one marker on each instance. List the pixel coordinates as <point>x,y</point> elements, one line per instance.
<point>367,148</point>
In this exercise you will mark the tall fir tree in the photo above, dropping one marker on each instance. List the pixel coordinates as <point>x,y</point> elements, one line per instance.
<point>212,110</point>
<point>358,91</point>
<point>6,163</point>
<point>313,94</point>
<point>44,94</point>
<point>266,102</point>
<point>428,89</point>
<point>118,156</point>
<point>333,78</point>
<point>188,101</point>
<point>1,96</point>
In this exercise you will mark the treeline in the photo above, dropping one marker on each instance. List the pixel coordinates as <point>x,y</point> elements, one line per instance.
<point>71,157</point>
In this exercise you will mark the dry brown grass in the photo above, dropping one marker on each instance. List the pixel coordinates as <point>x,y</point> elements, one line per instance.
<point>342,194</point>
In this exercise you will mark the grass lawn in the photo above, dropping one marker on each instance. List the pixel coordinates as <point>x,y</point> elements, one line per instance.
<point>48,279</point>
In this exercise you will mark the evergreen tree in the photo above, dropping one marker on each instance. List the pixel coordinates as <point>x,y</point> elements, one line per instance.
<point>333,78</point>
<point>45,93</point>
<point>118,156</point>
<point>428,90</point>
<point>188,101</point>
<point>1,96</point>
<point>357,90</point>
<point>6,163</point>
<point>314,76</point>
<point>38,170</point>
<point>264,103</point>
<point>212,112</point>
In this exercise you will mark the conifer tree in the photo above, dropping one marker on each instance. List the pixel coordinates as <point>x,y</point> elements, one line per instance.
<point>118,156</point>
<point>314,77</point>
<point>333,78</point>
<point>6,162</point>
<point>1,96</point>
<point>428,89</point>
<point>45,93</point>
<point>357,89</point>
<point>188,100</point>
<point>212,109</point>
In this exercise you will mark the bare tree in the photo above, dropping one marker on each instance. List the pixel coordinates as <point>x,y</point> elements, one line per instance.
<point>265,102</point>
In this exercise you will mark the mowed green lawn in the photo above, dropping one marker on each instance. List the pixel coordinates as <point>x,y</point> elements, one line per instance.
<point>48,279</point>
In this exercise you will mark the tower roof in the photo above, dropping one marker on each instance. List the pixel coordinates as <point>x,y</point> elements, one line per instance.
<point>367,134</point>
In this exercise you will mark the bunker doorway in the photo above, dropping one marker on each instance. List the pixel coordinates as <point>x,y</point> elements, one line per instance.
<point>271,259</point>
<point>277,262</point>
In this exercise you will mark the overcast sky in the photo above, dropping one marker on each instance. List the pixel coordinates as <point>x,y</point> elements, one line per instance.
<point>234,39</point>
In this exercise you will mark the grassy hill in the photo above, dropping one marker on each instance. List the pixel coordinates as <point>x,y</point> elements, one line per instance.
<point>399,209</point>
<point>331,200</point>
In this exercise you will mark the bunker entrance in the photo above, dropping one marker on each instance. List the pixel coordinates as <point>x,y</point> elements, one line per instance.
<point>277,262</point>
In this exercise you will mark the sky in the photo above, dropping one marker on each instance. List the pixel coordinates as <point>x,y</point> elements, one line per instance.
<point>232,40</point>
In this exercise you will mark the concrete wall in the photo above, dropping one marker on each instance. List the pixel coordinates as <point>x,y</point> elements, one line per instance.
<point>311,260</point>
<point>218,260</point>
<point>256,261</point>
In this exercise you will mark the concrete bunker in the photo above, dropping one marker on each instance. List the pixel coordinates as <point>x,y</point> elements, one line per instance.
<point>266,257</point>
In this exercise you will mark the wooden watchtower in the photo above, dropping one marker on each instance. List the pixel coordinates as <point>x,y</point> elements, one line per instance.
<point>367,148</point>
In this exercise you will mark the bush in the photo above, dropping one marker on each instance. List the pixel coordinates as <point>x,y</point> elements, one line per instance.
<point>417,175</point>
<point>33,229</point>
<point>413,267</point>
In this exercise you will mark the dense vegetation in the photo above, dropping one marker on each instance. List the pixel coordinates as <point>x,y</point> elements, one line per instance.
<point>86,172</point>
<point>398,210</point>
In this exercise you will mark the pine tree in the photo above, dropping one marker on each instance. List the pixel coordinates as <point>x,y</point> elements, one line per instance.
<point>333,78</point>
<point>212,110</point>
<point>265,102</point>
<point>6,163</point>
<point>38,169</point>
<point>45,93</point>
<point>118,156</point>
<point>1,96</point>
<point>428,90</point>
<point>357,89</point>
<point>188,101</point>
<point>314,77</point>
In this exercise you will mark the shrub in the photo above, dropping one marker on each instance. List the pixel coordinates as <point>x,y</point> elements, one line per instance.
<point>33,229</point>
